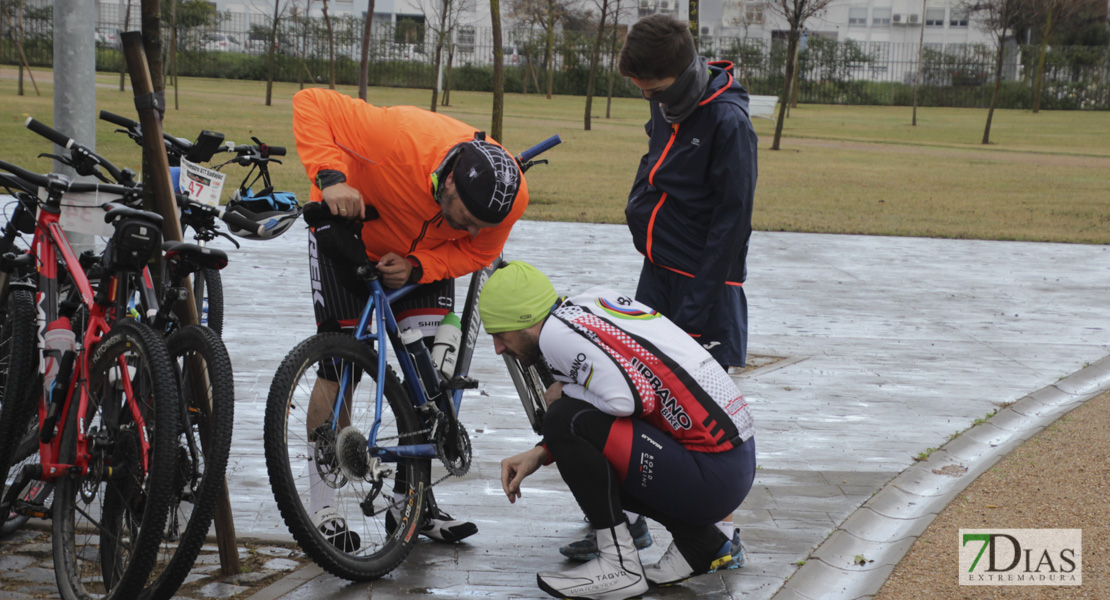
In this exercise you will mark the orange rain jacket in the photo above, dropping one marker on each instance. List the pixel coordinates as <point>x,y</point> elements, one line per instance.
<point>388,154</point>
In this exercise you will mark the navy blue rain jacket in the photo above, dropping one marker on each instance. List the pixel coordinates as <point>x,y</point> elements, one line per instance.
<point>690,209</point>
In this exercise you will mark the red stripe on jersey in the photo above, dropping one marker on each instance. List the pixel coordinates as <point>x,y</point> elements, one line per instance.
<point>618,447</point>
<point>675,408</point>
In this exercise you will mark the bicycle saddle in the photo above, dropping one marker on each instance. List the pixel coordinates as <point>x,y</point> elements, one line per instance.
<point>195,256</point>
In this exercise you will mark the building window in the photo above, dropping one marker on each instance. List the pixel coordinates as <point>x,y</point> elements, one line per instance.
<point>959,18</point>
<point>753,14</point>
<point>934,17</point>
<point>857,15</point>
<point>880,16</point>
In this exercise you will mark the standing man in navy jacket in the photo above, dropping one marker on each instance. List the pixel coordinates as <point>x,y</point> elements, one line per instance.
<point>690,209</point>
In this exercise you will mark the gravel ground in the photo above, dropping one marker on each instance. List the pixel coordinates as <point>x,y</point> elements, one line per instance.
<point>1057,480</point>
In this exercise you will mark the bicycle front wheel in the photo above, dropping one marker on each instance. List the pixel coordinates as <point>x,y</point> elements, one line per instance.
<point>203,372</point>
<point>108,522</point>
<point>18,380</point>
<point>356,517</point>
<point>208,290</point>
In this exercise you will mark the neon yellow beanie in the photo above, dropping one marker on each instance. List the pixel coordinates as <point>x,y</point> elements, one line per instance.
<point>517,296</point>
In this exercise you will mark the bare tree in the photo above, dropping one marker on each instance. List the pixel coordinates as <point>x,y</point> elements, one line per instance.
<point>920,55</point>
<point>124,27</point>
<point>546,14</point>
<point>364,64</point>
<point>796,13</point>
<point>997,18</point>
<point>272,50</point>
<point>1048,14</point>
<point>442,17</point>
<point>595,58</point>
<point>498,72</point>
<point>331,47</point>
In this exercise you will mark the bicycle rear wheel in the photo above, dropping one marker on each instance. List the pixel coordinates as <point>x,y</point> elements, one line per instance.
<point>18,379</point>
<point>203,371</point>
<point>310,463</point>
<point>108,522</point>
<point>531,382</point>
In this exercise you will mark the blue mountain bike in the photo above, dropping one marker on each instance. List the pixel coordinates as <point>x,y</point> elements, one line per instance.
<point>338,416</point>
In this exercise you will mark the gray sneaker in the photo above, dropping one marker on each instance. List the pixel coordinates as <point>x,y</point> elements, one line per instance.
<point>586,548</point>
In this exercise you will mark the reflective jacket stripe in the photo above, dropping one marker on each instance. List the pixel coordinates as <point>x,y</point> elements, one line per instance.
<point>663,198</point>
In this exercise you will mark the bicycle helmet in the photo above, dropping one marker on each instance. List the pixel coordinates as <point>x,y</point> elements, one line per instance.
<point>276,211</point>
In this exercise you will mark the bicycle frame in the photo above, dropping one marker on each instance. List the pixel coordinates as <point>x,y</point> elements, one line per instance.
<point>50,243</point>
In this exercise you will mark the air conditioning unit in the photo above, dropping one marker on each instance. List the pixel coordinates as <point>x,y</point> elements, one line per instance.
<point>914,19</point>
<point>898,18</point>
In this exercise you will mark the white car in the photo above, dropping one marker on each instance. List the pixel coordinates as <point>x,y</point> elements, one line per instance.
<point>220,42</point>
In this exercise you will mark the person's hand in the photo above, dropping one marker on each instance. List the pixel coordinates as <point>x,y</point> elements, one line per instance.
<point>515,468</point>
<point>344,201</point>
<point>554,392</point>
<point>395,270</point>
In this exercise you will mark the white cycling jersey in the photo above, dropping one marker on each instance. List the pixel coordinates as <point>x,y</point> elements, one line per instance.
<point>628,360</point>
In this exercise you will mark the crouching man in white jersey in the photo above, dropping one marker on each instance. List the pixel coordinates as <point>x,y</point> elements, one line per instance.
<point>641,418</point>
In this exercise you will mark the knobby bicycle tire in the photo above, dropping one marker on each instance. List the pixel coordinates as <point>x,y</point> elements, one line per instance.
<point>107,525</point>
<point>531,382</point>
<point>34,492</point>
<point>202,370</point>
<point>292,454</point>
<point>208,285</point>
<point>18,379</point>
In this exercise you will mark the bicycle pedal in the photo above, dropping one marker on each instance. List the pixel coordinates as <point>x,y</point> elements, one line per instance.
<point>28,509</point>
<point>461,383</point>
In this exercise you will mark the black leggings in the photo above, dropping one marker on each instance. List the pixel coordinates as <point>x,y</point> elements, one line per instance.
<point>612,463</point>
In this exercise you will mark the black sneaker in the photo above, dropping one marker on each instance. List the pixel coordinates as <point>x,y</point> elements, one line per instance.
<point>586,548</point>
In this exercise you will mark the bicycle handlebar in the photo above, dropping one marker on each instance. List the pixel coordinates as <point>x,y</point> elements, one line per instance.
<point>55,180</point>
<point>174,146</point>
<point>83,159</point>
<point>539,148</point>
<point>49,133</point>
<point>121,121</point>
<point>227,216</point>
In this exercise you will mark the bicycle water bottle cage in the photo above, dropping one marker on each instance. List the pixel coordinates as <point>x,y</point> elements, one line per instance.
<point>136,238</point>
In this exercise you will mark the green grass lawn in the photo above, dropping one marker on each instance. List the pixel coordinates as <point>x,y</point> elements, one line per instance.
<point>842,169</point>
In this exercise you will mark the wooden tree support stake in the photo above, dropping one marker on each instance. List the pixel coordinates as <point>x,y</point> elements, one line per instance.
<point>148,105</point>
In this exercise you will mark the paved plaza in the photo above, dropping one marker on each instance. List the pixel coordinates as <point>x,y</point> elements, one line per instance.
<point>881,349</point>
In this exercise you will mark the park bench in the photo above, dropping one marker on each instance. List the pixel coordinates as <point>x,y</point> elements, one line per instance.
<point>762,106</point>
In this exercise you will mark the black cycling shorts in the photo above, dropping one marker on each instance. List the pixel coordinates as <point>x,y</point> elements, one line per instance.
<point>338,298</point>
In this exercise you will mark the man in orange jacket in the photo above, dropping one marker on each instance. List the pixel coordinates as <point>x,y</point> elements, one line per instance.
<point>445,198</point>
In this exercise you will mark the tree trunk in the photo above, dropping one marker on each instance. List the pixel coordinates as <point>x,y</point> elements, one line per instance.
<point>173,52</point>
<point>612,70</point>
<point>331,47</point>
<point>364,63</point>
<point>498,72</point>
<point>997,86</point>
<point>920,54</point>
<point>595,57</point>
<point>791,47</point>
<point>435,70</point>
<point>1038,81</point>
<point>152,44</point>
<point>549,53</point>
<point>122,63</point>
<point>445,99</point>
<point>272,50</point>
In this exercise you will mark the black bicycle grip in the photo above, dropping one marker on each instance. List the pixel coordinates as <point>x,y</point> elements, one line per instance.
<point>239,221</point>
<point>118,120</point>
<point>275,150</point>
<point>48,132</point>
